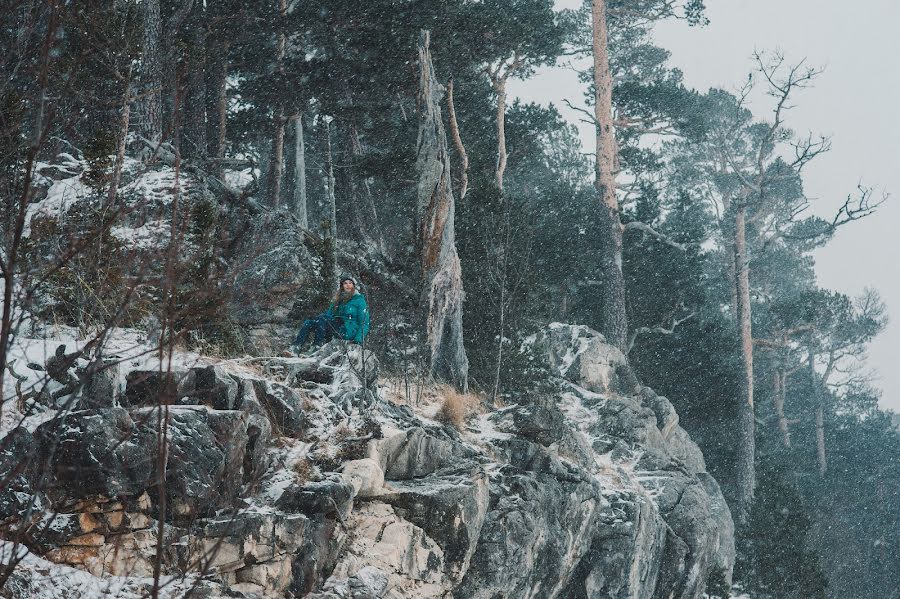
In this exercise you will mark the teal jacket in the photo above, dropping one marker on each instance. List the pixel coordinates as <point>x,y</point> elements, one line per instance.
<point>355,314</point>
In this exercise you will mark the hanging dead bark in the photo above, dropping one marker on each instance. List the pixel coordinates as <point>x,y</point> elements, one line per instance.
<point>442,291</point>
<point>457,141</point>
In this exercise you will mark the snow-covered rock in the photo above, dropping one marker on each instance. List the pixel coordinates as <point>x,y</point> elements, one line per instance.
<point>297,475</point>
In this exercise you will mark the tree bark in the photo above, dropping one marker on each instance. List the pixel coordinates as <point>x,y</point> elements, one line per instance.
<point>150,107</point>
<point>614,321</point>
<point>746,450</point>
<point>500,90</point>
<point>442,290</point>
<point>299,193</point>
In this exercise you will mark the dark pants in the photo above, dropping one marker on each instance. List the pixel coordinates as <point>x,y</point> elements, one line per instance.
<point>325,329</point>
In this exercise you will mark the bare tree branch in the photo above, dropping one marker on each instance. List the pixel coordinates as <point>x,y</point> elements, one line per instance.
<point>648,230</point>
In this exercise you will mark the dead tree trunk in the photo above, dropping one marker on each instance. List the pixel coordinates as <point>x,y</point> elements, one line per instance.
<point>442,291</point>
<point>150,107</point>
<point>746,449</point>
<point>299,192</point>
<point>500,90</point>
<point>614,321</point>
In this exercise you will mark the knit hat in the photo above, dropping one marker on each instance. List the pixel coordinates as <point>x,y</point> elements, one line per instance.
<point>346,277</point>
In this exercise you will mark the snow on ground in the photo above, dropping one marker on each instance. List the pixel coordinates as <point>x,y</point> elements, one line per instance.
<point>150,235</point>
<point>154,187</point>
<point>129,346</point>
<point>37,577</point>
<point>578,343</point>
<point>60,197</point>
<point>239,179</point>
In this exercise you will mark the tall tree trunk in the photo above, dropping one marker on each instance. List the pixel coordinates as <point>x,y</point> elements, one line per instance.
<point>330,224</point>
<point>500,90</point>
<point>194,141</point>
<point>276,161</point>
<point>820,438</point>
<point>614,321</point>
<point>150,107</point>
<point>819,399</point>
<point>780,389</point>
<point>457,141</point>
<point>299,193</point>
<point>442,291</point>
<point>746,450</point>
<point>502,279</point>
<point>216,98</point>
<point>122,138</point>
<point>362,204</point>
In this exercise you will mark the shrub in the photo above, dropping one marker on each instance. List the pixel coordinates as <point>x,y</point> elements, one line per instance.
<point>457,407</point>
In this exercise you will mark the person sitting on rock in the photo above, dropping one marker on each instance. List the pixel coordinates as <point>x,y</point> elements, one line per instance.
<point>346,318</point>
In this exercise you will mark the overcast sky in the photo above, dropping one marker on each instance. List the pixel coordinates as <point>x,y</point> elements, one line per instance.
<point>855,101</point>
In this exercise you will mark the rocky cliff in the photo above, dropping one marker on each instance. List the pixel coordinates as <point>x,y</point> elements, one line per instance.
<point>292,477</point>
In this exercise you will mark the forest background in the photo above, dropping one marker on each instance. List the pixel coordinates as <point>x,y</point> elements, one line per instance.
<point>691,244</point>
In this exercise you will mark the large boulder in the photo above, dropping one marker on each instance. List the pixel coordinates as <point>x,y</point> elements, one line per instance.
<point>279,280</point>
<point>101,452</point>
<point>417,452</point>
<point>115,453</point>
<point>19,471</point>
<point>450,506</point>
<point>283,406</point>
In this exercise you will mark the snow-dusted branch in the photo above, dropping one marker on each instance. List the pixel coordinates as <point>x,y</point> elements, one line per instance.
<point>648,230</point>
<point>657,330</point>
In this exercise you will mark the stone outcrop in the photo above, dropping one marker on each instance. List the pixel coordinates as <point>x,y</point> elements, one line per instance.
<point>276,477</point>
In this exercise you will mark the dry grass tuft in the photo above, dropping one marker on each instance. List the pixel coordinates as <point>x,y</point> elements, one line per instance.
<point>457,407</point>
<point>304,471</point>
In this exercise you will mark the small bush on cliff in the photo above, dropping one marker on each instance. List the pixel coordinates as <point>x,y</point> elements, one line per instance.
<point>457,407</point>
